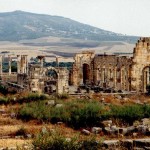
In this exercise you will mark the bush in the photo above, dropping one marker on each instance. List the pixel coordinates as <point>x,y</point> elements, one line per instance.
<point>62,96</point>
<point>29,98</point>
<point>33,97</point>
<point>146,110</point>
<point>34,110</point>
<point>57,141</point>
<point>83,113</point>
<point>3,90</point>
<point>128,113</point>
<point>77,114</point>
<point>3,100</point>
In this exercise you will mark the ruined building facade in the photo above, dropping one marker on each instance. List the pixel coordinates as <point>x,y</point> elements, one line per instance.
<point>107,71</point>
<point>35,78</point>
<point>112,71</point>
<point>44,79</point>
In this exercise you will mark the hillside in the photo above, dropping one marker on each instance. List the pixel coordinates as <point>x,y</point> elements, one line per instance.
<point>19,25</point>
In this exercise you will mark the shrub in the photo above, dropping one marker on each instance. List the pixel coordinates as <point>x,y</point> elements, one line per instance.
<point>3,100</point>
<point>62,96</point>
<point>3,90</point>
<point>57,141</point>
<point>146,110</point>
<point>128,113</point>
<point>29,98</point>
<point>33,97</point>
<point>84,114</point>
<point>34,110</point>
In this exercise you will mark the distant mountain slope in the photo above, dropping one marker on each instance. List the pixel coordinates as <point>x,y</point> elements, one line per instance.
<point>19,25</point>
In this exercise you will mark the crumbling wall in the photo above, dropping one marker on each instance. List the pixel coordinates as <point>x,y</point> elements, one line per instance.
<point>141,59</point>
<point>111,71</point>
<point>85,57</point>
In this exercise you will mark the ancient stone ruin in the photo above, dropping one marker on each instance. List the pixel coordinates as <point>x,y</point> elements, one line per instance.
<point>36,78</point>
<point>112,71</point>
<point>106,71</point>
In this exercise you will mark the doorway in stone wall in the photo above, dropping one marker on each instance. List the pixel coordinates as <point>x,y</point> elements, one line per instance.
<point>146,79</point>
<point>51,81</point>
<point>86,74</point>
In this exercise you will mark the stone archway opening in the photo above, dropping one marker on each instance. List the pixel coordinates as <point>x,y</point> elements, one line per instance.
<point>50,85</point>
<point>86,73</point>
<point>146,79</point>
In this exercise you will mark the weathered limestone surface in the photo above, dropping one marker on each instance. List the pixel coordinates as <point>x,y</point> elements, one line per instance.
<point>36,78</point>
<point>112,71</point>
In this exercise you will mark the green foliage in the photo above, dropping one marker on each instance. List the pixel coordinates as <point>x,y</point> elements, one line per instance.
<point>3,90</point>
<point>77,114</point>
<point>57,141</point>
<point>34,111</point>
<point>128,113</point>
<point>83,113</point>
<point>25,99</point>
<point>3,100</point>
<point>62,96</point>
<point>30,98</point>
<point>146,110</point>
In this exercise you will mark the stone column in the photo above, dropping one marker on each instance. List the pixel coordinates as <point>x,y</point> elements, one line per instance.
<point>1,64</point>
<point>9,64</point>
<point>115,76</point>
<point>26,64</point>
<point>57,62</point>
<point>18,64</point>
<point>21,64</point>
<point>41,58</point>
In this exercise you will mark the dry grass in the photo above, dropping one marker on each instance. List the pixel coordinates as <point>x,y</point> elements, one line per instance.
<point>13,142</point>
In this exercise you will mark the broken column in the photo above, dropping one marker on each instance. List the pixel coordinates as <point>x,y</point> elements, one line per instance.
<point>18,64</point>
<point>57,62</point>
<point>1,65</point>
<point>9,64</point>
<point>25,64</point>
<point>22,64</point>
<point>41,58</point>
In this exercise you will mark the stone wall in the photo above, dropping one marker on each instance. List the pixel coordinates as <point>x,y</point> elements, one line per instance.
<point>111,71</point>
<point>85,57</point>
<point>121,73</point>
<point>38,79</point>
<point>141,60</point>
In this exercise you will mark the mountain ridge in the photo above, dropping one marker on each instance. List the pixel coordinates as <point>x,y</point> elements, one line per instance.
<point>20,25</point>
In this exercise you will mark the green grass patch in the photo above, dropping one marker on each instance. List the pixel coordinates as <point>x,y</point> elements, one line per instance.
<point>82,113</point>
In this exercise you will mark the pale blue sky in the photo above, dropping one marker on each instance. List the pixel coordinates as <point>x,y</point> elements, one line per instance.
<point>131,17</point>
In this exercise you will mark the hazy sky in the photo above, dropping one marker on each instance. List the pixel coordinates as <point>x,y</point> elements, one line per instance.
<point>131,17</point>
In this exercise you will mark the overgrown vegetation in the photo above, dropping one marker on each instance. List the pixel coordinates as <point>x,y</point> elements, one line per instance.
<point>3,90</point>
<point>22,99</point>
<point>82,113</point>
<point>57,141</point>
<point>62,96</point>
